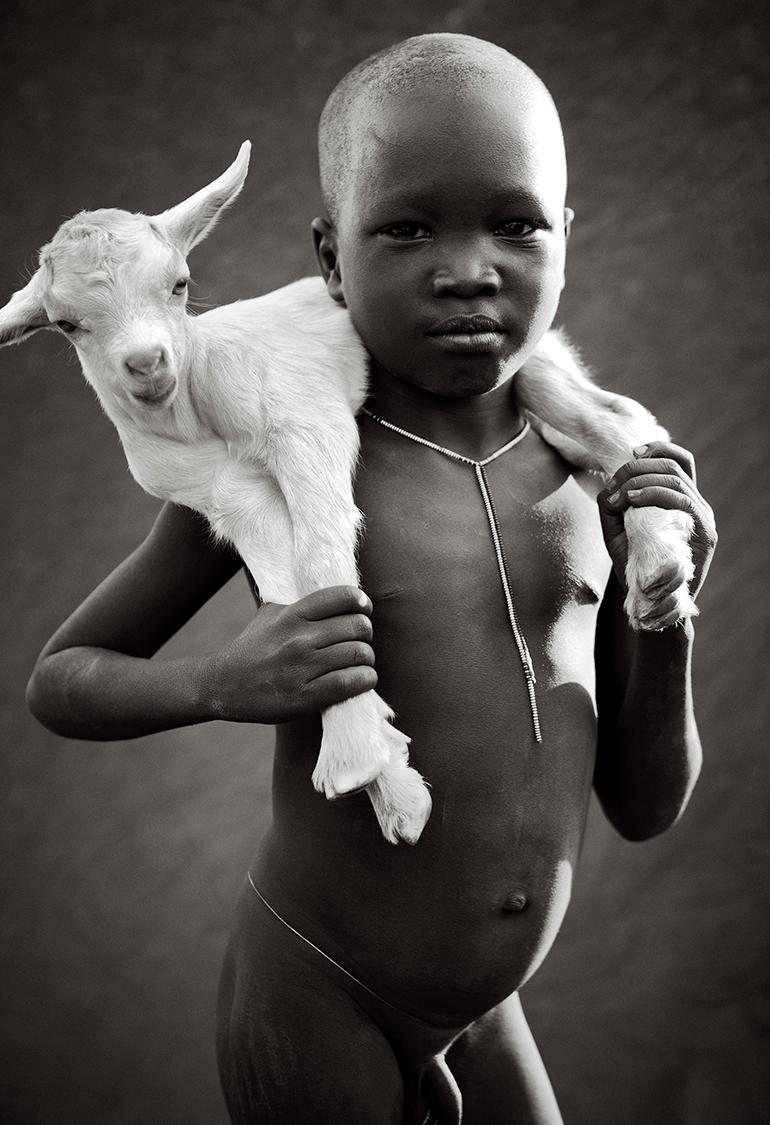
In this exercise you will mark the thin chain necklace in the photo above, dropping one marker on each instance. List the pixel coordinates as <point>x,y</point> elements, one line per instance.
<point>494,527</point>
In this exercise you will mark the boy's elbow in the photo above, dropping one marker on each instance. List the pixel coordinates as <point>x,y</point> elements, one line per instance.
<point>647,799</point>
<point>36,697</point>
<point>638,828</point>
<point>636,822</point>
<point>40,697</point>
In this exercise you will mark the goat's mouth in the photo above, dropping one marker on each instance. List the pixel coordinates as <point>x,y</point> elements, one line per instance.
<point>155,398</point>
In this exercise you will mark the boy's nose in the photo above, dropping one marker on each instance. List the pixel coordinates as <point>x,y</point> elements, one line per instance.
<point>466,280</point>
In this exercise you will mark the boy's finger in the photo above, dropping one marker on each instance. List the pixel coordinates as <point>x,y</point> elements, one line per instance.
<point>350,654</point>
<point>653,480</point>
<point>343,627</point>
<point>614,532</point>
<point>654,497</point>
<point>667,449</point>
<point>660,466</point>
<point>610,515</point>
<point>342,684</point>
<point>332,601</point>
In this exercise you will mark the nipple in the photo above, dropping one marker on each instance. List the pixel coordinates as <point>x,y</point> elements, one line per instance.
<point>514,902</point>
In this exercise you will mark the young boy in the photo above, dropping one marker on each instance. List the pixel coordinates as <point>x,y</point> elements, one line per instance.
<point>367,983</point>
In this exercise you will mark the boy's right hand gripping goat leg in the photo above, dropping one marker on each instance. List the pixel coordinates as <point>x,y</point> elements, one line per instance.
<point>294,660</point>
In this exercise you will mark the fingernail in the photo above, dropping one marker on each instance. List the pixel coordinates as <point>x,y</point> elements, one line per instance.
<point>633,492</point>
<point>614,498</point>
<point>362,598</point>
<point>640,450</point>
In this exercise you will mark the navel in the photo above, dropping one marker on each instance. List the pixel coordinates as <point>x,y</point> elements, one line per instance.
<point>514,902</point>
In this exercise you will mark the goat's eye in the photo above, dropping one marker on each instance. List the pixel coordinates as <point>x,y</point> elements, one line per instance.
<point>179,287</point>
<point>67,327</point>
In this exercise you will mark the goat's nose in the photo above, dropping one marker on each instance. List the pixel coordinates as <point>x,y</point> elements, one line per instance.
<point>146,363</point>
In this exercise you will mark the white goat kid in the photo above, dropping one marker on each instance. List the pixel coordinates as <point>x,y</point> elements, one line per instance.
<point>246,414</point>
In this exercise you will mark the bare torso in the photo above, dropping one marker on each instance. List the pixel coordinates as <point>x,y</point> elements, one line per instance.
<point>448,928</point>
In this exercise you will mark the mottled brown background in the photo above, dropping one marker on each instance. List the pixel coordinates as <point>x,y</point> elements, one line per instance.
<point>121,862</point>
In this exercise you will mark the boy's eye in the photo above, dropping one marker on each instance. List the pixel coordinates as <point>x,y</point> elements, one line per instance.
<point>519,228</point>
<point>406,232</point>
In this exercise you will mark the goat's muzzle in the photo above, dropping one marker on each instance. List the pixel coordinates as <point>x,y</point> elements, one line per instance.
<point>152,383</point>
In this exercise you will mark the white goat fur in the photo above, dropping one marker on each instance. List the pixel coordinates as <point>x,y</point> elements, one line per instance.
<point>246,414</point>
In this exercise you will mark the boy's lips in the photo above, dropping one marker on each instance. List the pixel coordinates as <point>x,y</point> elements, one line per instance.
<point>473,333</point>
<point>466,325</point>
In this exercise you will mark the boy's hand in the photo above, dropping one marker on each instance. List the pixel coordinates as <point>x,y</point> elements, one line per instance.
<point>662,475</point>
<point>294,660</point>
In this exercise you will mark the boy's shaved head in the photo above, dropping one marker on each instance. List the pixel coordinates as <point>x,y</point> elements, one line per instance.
<point>439,62</point>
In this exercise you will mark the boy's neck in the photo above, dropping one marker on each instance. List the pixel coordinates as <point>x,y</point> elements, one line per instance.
<point>474,426</point>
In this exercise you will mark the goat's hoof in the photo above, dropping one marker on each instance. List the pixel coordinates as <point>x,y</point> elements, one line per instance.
<point>402,803</point>
<point>343,783</point>
<point>639,606</point>
<point>407,826</point>
<point>398,745</point>
<point>338,775</point>
<point>658,554</point>
<point>358,743</point>
<point>408,829</point>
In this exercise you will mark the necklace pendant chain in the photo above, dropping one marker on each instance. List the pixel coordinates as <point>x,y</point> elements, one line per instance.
<point>494,527</point>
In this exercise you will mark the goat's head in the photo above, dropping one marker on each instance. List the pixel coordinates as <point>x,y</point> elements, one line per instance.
<point>115,284</point>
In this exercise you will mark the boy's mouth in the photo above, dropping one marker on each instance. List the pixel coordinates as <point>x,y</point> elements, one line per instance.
<point>468,333</point>
<point>469,324</point>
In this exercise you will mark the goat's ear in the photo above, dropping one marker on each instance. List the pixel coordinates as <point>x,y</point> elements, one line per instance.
<point>189,222</point>
<point>24,313</point>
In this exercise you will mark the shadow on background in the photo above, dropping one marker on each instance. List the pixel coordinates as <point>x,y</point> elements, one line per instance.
<point>122,861</point>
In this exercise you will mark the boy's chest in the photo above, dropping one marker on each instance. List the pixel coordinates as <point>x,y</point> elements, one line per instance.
<point>427,537</point>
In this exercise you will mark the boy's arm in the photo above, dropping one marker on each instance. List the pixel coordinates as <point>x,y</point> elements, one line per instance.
<point>649,752</point>
<point>95,679</point>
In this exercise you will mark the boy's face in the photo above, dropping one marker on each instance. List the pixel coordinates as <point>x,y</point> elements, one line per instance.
<point>456,210</point>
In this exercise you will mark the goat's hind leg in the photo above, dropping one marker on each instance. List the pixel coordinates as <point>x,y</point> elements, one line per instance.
<point>606,427</point>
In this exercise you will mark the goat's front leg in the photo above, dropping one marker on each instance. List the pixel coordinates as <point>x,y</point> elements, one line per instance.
<point>249,511</point>
<point>360,746</point>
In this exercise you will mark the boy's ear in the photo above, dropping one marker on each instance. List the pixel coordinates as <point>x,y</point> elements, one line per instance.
<point>569,215</point>
<point>327,254</point>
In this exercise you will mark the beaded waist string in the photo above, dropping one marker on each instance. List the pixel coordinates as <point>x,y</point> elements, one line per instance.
<point>494,527</point>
